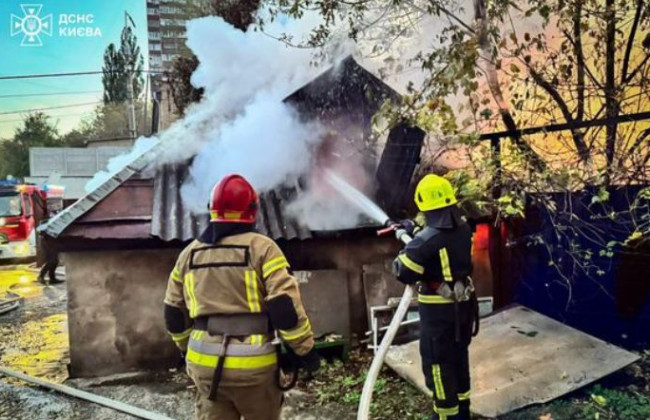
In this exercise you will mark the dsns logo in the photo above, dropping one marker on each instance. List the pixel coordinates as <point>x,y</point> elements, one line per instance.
<point>31,25</point>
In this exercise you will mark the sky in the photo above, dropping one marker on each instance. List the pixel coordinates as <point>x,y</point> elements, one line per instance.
<point>61,50</point>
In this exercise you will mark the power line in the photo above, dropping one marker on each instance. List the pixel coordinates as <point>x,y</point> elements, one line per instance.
<point>23,111</point>
<point>54,117</point>
<point>79,73</point>
<point>26,95</point>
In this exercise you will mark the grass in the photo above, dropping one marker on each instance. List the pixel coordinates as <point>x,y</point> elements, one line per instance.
<point>624,395</point>
<point>393,398</point>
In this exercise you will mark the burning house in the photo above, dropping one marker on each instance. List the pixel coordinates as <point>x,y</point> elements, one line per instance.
<point>120,242</point>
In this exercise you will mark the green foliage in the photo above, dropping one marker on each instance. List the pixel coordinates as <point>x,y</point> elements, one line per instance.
<point>182,90</point>
<point>36,131</point>
<point>393,398</point>
<point>111,122</point>
<point>616,404</point>
<point>118,62</point>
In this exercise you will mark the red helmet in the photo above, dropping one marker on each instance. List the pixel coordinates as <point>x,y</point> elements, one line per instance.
<point>233,200</point>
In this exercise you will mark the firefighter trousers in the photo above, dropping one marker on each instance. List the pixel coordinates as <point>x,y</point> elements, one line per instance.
<point>445,359</point>
<point>259,401</point>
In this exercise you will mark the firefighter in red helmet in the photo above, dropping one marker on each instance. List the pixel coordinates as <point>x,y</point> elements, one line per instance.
<point>230,291</point>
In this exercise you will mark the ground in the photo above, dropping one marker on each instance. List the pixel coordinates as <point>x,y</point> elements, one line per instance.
<point>34,341</point>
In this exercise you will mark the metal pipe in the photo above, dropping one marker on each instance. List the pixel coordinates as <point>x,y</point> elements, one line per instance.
<point>378,361</point>
<point>106,402</point>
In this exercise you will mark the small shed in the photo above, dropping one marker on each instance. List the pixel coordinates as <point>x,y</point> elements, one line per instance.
<point>120,242</point>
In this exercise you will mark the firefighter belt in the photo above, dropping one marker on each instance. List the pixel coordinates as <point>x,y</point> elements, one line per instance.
<point>231,356</point>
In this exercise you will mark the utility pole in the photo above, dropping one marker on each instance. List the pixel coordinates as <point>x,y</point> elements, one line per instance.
<point>129,81</point>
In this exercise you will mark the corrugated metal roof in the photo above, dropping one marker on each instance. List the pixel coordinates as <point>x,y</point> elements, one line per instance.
<point>57,224</point>
<point>171,220</point>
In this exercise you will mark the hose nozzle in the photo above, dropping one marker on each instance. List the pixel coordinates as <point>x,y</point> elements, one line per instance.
<point>391,227</point>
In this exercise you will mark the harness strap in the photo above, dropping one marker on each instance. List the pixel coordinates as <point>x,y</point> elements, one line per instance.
<point>218,372</point>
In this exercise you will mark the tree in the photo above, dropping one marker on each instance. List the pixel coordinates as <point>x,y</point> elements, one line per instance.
<point>36,131</point>
<point>240,14</point>
<point>590,60</point>
<point>182,91</point>
<point>110,121</point>
<point>118,62</point>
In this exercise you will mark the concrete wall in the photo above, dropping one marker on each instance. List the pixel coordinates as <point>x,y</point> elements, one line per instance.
<point>348,255</point>
<point>324,294</point>
<point>72,161</point>
<point>115,311</point>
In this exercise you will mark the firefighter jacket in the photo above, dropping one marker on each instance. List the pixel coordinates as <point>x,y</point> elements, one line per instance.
<point>433,257</point>
<point>244,273</point>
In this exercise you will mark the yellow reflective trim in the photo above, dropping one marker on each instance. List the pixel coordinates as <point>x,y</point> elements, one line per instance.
<point>176,275</point>
<point>232,362</point>
<point>229,215</point>
<point>252,293</point>
<point>249,292</point>
<point>274,265</point>
<point>276,268</point>
<point>445,411</point>
<point>444,263</point>
<point>257,339</point>
<point>297,333</point>
<point>189,288</point>
<point>256,293</point>
<point>437,382</point>
<point>273,262</point>
<point>180,336</point>
<point>433,299</point>
<point>464,396</point>
<point>410,264</point>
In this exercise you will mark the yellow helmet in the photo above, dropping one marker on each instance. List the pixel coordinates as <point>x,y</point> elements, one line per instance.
<point>434,192</point>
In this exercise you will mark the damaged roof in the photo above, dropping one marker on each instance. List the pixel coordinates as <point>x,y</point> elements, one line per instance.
<point>172,220</point>
<point>344,91</point>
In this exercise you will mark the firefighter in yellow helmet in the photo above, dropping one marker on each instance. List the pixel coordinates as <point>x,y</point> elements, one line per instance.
<point>230,290</point>
<point>439,260</point>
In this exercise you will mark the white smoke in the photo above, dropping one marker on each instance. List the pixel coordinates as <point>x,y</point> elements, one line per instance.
<point>116,164</point>
<point>266,144</point>
<point>236,69</point>
<point>242,125</point>
<point>320,212</point>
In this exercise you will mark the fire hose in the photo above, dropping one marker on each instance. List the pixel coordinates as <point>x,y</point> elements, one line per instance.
<point>378,361</point>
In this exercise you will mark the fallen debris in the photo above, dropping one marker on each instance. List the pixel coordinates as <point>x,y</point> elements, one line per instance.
<point>521,358</point>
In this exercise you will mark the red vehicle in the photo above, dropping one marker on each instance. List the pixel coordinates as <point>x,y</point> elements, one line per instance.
<point>22,207</point>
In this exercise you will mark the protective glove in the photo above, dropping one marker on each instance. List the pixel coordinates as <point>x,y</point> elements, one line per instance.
<point>408,225</point>
<point>310,362</point>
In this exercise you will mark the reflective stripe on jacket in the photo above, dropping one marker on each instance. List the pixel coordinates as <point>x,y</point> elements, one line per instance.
<point>238,274</point>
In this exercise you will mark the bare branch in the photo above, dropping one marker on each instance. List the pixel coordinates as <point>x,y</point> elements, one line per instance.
<point>577,50</point>
<point>611,104</point>
<point>578,137</point>
<point>630,40</point>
